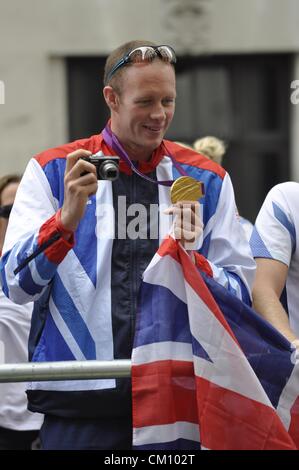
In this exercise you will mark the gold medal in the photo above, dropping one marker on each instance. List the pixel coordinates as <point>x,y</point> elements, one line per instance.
<point>186,188</point>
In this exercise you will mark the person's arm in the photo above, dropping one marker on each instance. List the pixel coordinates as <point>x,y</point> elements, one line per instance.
<point>270,279</point>
<point>273,243</point>
<point>36,218</point>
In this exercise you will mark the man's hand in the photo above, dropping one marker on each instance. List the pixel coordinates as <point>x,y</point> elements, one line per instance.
<point>187,224</point>
<point>77,188</point>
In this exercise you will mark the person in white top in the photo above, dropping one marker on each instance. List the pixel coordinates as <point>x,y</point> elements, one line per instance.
<point>275,246</point>
<point>19,427</point>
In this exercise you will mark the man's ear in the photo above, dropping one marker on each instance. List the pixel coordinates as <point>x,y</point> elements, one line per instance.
<point>111,97</point>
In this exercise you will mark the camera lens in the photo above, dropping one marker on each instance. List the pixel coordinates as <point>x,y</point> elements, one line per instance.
<point>109,171</point>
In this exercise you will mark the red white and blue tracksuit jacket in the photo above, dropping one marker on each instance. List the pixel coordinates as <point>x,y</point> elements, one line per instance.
<point>85,290</point>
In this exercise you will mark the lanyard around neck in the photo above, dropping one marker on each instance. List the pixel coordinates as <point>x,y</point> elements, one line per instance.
<point>112,141</point>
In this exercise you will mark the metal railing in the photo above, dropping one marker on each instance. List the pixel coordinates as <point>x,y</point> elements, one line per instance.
<point>65,370</point>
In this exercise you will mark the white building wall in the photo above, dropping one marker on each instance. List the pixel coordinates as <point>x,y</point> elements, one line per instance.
<point>36,35</point>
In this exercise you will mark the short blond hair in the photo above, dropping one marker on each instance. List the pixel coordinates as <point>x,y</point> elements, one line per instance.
<point>211,147</point>
<point>118,54</point>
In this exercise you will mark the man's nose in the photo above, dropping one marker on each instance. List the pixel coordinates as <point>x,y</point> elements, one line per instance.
<point>158,111</point>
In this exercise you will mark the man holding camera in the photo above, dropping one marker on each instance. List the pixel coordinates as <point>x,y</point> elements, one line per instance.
<point>84,281</point>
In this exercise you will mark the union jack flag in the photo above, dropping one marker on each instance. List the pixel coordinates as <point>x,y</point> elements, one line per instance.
<point>207,371</point>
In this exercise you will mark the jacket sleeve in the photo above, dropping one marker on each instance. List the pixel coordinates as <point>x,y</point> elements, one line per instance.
<point>225,247</point>
<point>34,221</point>
<point>274,234</point>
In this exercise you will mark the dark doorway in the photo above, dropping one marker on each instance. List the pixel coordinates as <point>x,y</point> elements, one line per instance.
<point>87,109</point>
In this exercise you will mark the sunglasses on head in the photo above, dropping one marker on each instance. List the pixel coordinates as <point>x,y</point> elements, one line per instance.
<point>5,211</point>
<point>144,54</point>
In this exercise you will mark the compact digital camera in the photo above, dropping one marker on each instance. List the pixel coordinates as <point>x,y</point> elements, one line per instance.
<point>107,167</point>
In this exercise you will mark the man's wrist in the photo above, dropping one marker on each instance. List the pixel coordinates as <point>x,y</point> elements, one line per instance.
<point>65,232</point>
